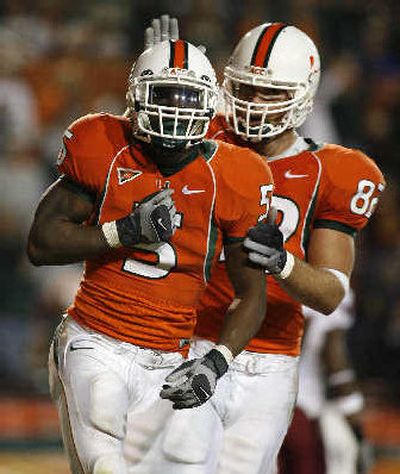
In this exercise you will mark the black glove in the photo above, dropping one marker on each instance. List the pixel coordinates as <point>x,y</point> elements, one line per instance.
<point>265,245</point>
<point>194,381</point>
<point>151,221</point>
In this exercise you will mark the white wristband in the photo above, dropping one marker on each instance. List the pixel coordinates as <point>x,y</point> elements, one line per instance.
<point>111,234</point>
<point>227,353</point>
<point>349,404</point>
<point>288,268</point>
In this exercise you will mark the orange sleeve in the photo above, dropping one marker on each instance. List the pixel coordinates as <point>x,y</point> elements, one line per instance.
<point>84,154</point>
<point>244,197</point>
<point>351,185</point>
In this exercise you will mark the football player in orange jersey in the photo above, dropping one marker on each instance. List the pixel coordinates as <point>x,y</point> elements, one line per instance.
<point>324,194</point>
<point>147,256</point>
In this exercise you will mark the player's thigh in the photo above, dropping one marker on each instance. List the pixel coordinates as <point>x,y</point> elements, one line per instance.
<point>160,439</point>
<point>188,443</point>
<point>257,419</point>
<point>92,400</point>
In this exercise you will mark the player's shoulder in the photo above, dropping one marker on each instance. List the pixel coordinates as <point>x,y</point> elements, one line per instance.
<point>220,130</point>
<point>240,166</point>
<point>217,127</point>
<point>98,126</point>
<point>340,160</point>
<point>230,154</point>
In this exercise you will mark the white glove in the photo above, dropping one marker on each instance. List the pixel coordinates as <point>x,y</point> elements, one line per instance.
<point>161,29</point>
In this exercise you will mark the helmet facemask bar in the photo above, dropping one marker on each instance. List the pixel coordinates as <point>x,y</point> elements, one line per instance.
<point>255,120</point>
<point>157,118</point>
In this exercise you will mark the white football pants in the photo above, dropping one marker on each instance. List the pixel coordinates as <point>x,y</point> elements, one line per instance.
<point>241,428</point>
<point>99,385</point>
<point>255,400</point>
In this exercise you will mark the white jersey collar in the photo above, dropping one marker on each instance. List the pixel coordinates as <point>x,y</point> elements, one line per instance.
<point>297,147</point>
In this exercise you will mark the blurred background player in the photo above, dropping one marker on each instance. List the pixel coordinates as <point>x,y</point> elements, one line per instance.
<point>327,419</point>
<point>147,257</point>
<point>269,85</point>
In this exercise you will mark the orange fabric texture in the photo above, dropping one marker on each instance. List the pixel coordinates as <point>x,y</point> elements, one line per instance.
<point>147,296</point>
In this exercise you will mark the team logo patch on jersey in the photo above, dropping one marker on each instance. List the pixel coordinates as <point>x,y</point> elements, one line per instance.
<point>127,174</point>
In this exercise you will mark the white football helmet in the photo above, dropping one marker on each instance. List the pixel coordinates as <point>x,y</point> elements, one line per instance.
<point>275,56</point>
<point>173,91</point>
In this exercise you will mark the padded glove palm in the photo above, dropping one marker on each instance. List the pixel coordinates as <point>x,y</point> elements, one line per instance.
<point>194,381</point>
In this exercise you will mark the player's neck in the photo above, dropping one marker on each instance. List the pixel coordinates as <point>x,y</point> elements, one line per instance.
<point>170,161</point>
<point>277,145</point>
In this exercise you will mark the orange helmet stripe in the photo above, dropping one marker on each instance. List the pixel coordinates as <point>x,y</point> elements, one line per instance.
<point>179,54</point>
<point>265,43</point>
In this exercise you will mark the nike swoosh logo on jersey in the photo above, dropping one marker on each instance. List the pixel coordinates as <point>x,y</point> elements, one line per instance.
<point>291,175</point>
<point>186,190</point>
<point>76,348</point>
<point>161,223</point>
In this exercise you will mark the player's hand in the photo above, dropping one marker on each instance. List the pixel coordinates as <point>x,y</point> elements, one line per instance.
<point>264,243</point>
<point>194,381</point>
<point>161,29</point>
<point>151,221</point>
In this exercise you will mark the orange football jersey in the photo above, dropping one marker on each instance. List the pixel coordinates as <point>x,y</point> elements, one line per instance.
<point>147,295</point>
<point>325,186</point>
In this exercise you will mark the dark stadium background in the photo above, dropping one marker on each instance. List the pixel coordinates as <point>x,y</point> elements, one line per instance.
<point>60,60</point>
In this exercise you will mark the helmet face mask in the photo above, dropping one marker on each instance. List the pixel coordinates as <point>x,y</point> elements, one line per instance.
<point>173,105</point>
<point>270,91</point>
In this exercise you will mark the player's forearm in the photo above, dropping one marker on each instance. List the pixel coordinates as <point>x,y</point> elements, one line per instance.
<point>62,242</point>
<point>314,287</point>
<point>242,322</point>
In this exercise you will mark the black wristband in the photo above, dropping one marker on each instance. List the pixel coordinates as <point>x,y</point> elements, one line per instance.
<point>128,230</point>
<point>217,362</point>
